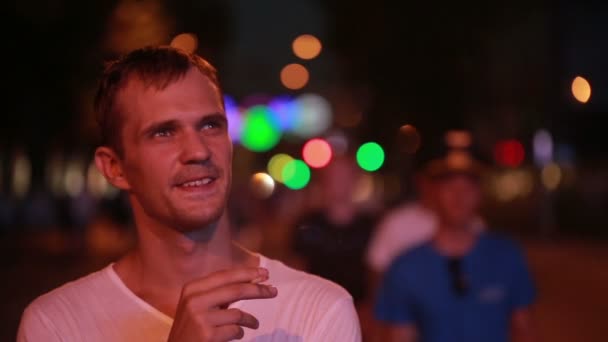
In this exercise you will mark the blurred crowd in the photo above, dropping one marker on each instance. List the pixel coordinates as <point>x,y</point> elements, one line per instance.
<point>428,266</point>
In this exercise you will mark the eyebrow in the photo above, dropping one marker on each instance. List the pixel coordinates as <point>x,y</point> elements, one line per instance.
<point>155,127</point>
<point>213,117</point>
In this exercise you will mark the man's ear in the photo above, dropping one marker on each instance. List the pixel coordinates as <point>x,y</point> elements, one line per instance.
<point>111,167</point>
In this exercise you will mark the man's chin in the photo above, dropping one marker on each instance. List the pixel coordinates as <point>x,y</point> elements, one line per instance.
<point>199,228</point>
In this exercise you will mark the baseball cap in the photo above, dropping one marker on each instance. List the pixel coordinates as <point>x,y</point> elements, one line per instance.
<point>454,153</point>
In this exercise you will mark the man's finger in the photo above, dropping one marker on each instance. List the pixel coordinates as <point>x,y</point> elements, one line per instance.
<point>229,332</point>
<point>233,316</point>
<point>232,293</point>
<point>225,277</point>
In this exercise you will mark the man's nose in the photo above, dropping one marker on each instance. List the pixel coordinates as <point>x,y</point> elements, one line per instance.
<point>194,149</point>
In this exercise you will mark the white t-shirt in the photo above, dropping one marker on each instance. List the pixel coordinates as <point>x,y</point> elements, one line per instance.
<point>401,229</point>
<point>100,307</point>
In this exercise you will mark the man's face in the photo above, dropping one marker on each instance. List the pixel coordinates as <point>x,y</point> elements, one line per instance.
<point>177,152</point>
<point>457,199</point>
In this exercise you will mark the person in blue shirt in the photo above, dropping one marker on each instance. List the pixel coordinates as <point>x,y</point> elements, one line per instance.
<point>463,285</point>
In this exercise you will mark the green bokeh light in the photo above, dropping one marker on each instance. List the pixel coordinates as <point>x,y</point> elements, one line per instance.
<point>296,174</point>
<point>370,156</point>
<point>260,131</point>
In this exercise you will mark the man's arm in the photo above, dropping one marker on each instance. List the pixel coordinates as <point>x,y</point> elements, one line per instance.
<point>521,326</point>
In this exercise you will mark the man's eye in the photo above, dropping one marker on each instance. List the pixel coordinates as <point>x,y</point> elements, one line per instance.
<point>211,125</point>
<point>163,133</point>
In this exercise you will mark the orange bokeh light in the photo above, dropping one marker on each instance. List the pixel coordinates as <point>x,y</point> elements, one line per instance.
<point>581,89</point>
<point>306,46</point>
<point>294,76</point>
<point>185,41</point>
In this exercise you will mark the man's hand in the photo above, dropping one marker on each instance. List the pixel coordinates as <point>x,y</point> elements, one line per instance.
<point>203,314</point>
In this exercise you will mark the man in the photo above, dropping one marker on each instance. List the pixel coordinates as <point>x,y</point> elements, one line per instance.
<point>330,241</point>
<point>166,143</point>
<point>413,222</point>
<point>402,228</point>
<point>463,285</point>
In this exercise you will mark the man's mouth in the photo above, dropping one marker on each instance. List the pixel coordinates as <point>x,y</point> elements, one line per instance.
<point>197,182</point>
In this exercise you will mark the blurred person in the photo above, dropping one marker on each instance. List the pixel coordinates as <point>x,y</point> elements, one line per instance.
<point>331,241</point>
<point>166,144</point>
<point>402,228</point>
<point>408,225</point>
<point>463,285</point>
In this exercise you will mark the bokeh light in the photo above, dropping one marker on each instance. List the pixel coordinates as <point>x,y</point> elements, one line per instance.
<point>262,185</point>
<point>21,174</point>
<point>370,156</point>
<point>185,41</point>
<point>306,46</point>
<point>73,180</point>
<point>458,139</point>
<point>286,110</point>
<point>294,76</point>
<point>276,165</point>
<point>409,138</point>
<point>314,115</point>
<point>234,117</point>
<point>509,153</point>
<point>543,147</point>
<point>317,153</point>
<point>551,176</point>
<point>363,189</point>
<point>296,174</point>
<point>513,184</point>
<point>260,131</point>
<point>581,89</point>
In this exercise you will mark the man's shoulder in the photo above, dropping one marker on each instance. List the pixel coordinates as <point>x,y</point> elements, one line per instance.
<point>73,293</point>
<point>58,311</point>
<point>308,305</point>
<point>302,283</point>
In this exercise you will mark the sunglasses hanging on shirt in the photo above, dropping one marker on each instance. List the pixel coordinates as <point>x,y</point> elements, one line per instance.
<point>457,276</point>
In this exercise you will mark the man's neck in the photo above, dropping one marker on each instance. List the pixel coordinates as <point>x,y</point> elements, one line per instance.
<point>454,241</point>
<point>341,213</point>
<point>165,259</point>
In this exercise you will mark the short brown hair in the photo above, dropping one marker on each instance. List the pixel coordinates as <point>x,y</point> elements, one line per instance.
<point>154,66</point>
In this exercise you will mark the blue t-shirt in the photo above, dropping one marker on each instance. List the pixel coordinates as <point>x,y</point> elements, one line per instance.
<point>419,288</point>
